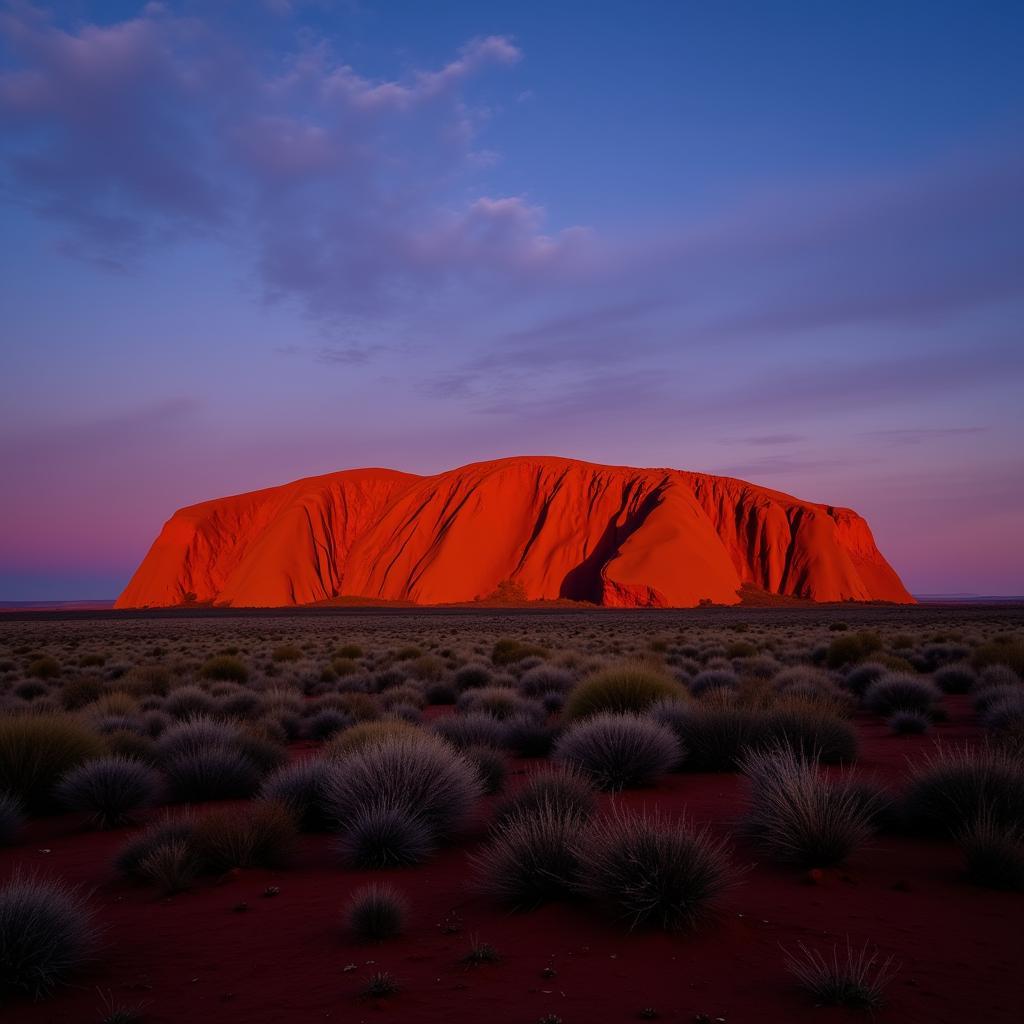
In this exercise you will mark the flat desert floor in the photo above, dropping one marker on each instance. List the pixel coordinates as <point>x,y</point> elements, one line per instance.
<point>267,939</point>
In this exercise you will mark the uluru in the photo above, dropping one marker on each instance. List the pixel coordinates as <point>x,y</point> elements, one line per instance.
<point>543,528</point>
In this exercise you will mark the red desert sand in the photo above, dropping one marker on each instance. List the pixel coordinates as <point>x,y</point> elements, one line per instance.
<point>553,528</point>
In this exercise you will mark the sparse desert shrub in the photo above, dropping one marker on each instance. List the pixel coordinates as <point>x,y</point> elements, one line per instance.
<point>647,870</point>
<point>260,835</point>
<point>226,666</point>
<point>472,677</point>
<point>480,953</point>
<point>545,679</point>
<point>994,851</point>
<point>507,651</point>
<point>901,692</point>
<point>37,750</point>
<point>284,725</point>
<point>492,766</point>
<point>566,790</point>
<point>909,723</point>
<point>342,667</point>
<point>1006,650</point>
<point>380,985</point>
<point>155,723</point>
<point>266,754</point>
<point>110,724</point>
<point>529,735</point>
<point>77,693</point>
<point>113,1012</point>
<point>286,652</point>
<point>619,751</point>
<point>368,734</point>
<point>45,667</point>
<point>475,729</point>
<point>211,773</point>
<point>110,791</point>
<point>141,846</point>
<point>959,678</point>
<point>997,675</point>
<point>876,801</point>
<point>620,690</point>
<point>147,679</point>
<point>531,857</point>
<point>188,702</point>
<point>407,713</point>
<point>797,814</point>
<point>376,912</point>
<point>417,773</point>
<point>242,704</point>
<point>195,734</point>
<point>384,834</point>
<point>955,786</point>
<point>673,714</point>
<point>441,692</point>
<point>987,695</point>
<point>279,700</point>
<point>804,679</point>
<point>427,667</point>
<point>30,689</point>
<point>351,651</point>
<point>300,787</point>
<point>1005,714</point>
<point>46,931</point>
<point>740,649</point>
<point>115,704</point>
<point>715,738</point>
<point>831,740</point>
<point>41,706</point>
<point>855,978</point>
<point>11,818</point>
<point>327,723</point>
<point>933,656</point>
<point>389,678</point>
<point>714,679</point>
<point>851,647</point>
<point>860,677</point>
<point>171,866</point>
<point>499,701</point>
<point>408,695</point>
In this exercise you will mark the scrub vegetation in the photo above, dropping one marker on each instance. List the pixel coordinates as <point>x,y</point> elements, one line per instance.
<point>377,789</point>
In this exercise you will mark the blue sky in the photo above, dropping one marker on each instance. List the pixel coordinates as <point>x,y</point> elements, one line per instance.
<point>243,243</point>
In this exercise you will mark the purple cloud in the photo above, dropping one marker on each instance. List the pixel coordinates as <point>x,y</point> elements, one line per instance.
<point>351,191</point>
<point>94,132</point>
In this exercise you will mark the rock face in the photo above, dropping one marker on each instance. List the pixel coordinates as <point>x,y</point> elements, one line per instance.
<point>552,528</point>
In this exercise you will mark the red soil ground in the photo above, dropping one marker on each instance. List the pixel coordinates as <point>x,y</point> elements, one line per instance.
<point>194,957</point>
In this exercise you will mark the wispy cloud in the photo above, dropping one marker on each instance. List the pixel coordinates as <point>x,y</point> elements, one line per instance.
<point>769,440</point>
<point>920,435</point>
<point>349,354</point>
<point>769,467</point>
<point>345,188</point>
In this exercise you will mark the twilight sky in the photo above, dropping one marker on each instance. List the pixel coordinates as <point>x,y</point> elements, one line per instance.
<point>244,241</point>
